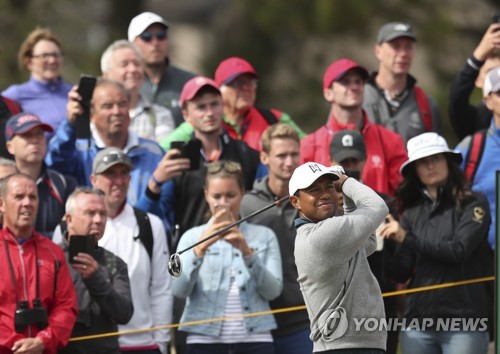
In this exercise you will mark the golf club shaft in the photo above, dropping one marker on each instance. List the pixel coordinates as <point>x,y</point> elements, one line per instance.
<point>224,229</point>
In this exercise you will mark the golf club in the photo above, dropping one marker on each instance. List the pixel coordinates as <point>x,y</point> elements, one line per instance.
<point>175,262</point>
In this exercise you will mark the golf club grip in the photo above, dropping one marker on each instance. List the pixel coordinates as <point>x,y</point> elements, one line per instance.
<point>224,229</point>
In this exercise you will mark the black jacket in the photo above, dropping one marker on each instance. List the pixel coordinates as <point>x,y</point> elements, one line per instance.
<point>446,244</point>
<point>280,220</point>
<point>190,207</point>
<point>465,118</point>
<point>104,300</point>
<point>54,189</point>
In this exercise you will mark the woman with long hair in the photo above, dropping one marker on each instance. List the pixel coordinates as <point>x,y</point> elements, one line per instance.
<point>234,274</point>
<point>442,237</point>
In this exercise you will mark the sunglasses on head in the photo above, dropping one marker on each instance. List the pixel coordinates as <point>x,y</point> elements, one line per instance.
<point>228,166</point>
<point>148,36</point>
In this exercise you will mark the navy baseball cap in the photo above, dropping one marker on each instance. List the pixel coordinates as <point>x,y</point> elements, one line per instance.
<point>22,123</point>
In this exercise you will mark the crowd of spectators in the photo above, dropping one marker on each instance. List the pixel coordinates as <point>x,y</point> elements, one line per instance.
<point>174,156</point>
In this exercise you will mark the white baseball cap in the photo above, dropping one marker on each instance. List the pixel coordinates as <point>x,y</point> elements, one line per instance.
<point>427,144</point>
<point>307,174</point>
<point>142,21</point>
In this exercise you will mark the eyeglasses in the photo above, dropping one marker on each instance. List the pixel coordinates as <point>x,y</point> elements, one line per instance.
<point>46,56</point>
<point>243,81</point>
<point>228,166</point>
<point>148,36</point>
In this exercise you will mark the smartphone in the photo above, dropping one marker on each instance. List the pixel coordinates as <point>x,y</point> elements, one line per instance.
<point>86,87</point>
<point>496,18</point>
<point>81,244</point>
<point>227,212</point>
<point>189,151</point>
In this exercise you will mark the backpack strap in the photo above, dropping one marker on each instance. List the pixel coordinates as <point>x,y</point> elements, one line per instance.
<point>424,107</point>
<point>473,157</point>
<point>268,115</point>
<point>145,230</point>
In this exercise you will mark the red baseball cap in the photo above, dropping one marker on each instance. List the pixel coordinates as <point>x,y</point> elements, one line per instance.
<point>230,68</point>
<point>338,68</point>
<point>194,85</point>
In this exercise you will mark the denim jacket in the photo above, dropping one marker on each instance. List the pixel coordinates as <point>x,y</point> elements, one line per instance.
<point>205,281</point>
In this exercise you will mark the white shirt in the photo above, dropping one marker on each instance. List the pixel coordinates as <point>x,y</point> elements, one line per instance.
<point>149,278</point>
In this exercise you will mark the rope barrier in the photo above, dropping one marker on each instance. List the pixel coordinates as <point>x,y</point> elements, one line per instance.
<point>287,309</point>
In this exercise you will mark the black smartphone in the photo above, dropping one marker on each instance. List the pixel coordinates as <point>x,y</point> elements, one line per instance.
<point>86,87</point>
<point>189,151</point>
<point>81,244</point>
<point>495,18</point>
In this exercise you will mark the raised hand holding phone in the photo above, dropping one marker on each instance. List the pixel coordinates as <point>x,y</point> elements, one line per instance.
<point>85,90</point>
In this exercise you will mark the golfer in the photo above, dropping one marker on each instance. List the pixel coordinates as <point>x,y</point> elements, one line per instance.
<point>330,252</point>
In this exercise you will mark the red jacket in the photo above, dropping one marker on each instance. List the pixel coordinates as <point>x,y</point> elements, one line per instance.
<point>385,152</point>
<point>252,127</point>
<point>60,303</point>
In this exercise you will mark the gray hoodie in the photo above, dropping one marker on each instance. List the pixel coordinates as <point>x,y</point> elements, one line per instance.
<point>335,278</point>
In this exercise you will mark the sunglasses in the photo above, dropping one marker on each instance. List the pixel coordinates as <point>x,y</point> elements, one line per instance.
<point>228,166</point>
<point>148,36</point>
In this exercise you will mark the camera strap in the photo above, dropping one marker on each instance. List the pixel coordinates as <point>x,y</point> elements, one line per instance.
<point>13,274</point>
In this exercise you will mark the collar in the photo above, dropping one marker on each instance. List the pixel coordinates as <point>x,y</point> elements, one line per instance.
<point>49,85</point>
<point>410,81</point>
<point>301,221</point>
<point>132,139</point>
<point>333,126</point>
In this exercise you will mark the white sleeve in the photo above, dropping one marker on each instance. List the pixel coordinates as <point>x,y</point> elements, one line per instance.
<point>159,288</point>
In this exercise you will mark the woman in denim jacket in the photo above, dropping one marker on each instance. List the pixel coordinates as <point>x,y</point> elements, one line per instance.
<point>235,274</point>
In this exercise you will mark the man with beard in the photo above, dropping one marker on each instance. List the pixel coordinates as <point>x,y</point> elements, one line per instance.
<point>331,256</point>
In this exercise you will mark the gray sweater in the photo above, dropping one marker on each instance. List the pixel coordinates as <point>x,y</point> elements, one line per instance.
<point>334,272</point>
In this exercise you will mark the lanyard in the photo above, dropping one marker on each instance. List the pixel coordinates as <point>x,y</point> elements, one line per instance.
<point>13,274</point>
<point>52,190</point>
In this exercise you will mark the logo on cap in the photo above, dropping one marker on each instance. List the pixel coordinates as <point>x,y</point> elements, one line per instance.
<point>347,140</point>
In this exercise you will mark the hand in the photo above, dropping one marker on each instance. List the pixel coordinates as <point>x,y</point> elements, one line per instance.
<point>236,239</point>
<point>337,169</point>
<point>392,230</point>
<point>28,346</point>
<point>168,168</point>
<point>489,42</point>
<point>218,222</point>
<point>86,265</point>
<point>73,107</point>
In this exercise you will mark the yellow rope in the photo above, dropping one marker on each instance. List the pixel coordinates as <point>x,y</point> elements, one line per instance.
<point>287,309</point>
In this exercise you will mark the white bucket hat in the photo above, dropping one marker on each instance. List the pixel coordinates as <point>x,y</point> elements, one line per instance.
<point>307,174</point>
<point>427,144</point>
